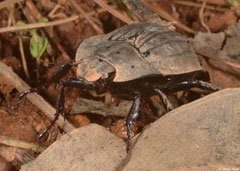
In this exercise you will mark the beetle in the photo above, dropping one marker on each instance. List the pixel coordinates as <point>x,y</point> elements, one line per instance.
<point>133,62</point>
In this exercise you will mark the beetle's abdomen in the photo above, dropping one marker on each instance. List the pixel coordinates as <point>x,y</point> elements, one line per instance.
<point>163,49</point>
<point>168,51</point>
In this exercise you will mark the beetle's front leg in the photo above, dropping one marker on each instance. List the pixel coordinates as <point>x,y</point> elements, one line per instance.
<point>60,100</point>
<point>132,115</point>
<point>61,72</point>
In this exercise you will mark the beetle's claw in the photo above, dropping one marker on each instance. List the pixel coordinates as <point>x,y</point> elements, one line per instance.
<point>125,124</point>
<point>32,90</point>
<point>129,132</point>
<point>169,107</point>
<point>24,94</point>
<point>42,134</point>
<point>64,116</point>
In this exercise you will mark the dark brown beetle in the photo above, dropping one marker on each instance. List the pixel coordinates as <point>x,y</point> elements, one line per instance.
<point>132,62</point>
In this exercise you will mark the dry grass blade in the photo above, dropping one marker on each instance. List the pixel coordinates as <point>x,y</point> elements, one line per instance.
<point>85,15</point>
<point>6,3</point>
<point>201,17</point>
<point>39,25</point>
<point>235,65</point>
<point>216,2</point>
<point>20,144</point>
<point>194,4</point>
<point>114,12</point>
<point>21,49</point>
<point>167,17</point>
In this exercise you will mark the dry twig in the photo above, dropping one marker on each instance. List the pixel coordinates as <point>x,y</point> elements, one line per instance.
<point>6,3</point>
<point>216,2</point>
<point>201,17</point>
<point>194,4</point>
<point>218,59</point>
<point>20,144</point>
<point>114,12</point>
<point>39,25</point>
<point>167,17</point>
<point>85,15</point>
<point>24,62</point>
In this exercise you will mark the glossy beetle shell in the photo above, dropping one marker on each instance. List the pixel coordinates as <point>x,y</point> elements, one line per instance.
<point>136,51</point>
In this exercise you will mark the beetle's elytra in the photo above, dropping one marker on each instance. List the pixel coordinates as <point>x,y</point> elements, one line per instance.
<point>132,62</point>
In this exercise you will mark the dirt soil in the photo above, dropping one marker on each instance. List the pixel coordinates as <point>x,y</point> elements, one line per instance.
<point>24,121</point>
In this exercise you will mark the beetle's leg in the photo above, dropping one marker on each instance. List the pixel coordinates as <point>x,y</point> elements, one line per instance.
<point>184,85</point>
<point>60,100</point>
<point>59,109</point>
<point>132,115</point>
<point>149,91</point>
<point>56,64</point>
<point>61,72</point>
<point>168,105</point>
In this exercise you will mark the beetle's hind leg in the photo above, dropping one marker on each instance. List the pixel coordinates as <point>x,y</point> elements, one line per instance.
<point>167,104</point>
<point>184,85</point>
<point>61,72</point>
<point>132,116</point>
<point>134,111</point>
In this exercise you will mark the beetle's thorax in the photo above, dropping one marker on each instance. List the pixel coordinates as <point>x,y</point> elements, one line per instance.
<point>93,69</point>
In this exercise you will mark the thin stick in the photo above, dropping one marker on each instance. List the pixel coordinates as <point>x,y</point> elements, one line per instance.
<point>211,7</point>
<point>201,17</point>
<point>216,2</point>
<point>6,3</point>
<point>114,12</point>
<point>39,25</point>
<point>24,62</point>
<point>20,144</point>
<point>84,14</point>
<point>218,59</point>
<point>12,78</point>
<point>167,16</point>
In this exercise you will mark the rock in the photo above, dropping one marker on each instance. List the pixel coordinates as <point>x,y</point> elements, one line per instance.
<point>97,107</point>
<point>208,42</point>
<point>88,148</point>
<point>202,135</point>
<point>225,45</point>
<point>232,45</point>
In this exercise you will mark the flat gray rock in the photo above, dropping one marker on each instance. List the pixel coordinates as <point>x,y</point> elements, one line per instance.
<point>91,147</point>
<point>97,107</point>
<point>225,45</point>
<point>203,135</point>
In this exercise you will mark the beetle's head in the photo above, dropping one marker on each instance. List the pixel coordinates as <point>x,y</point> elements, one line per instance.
<point>95,69</point>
